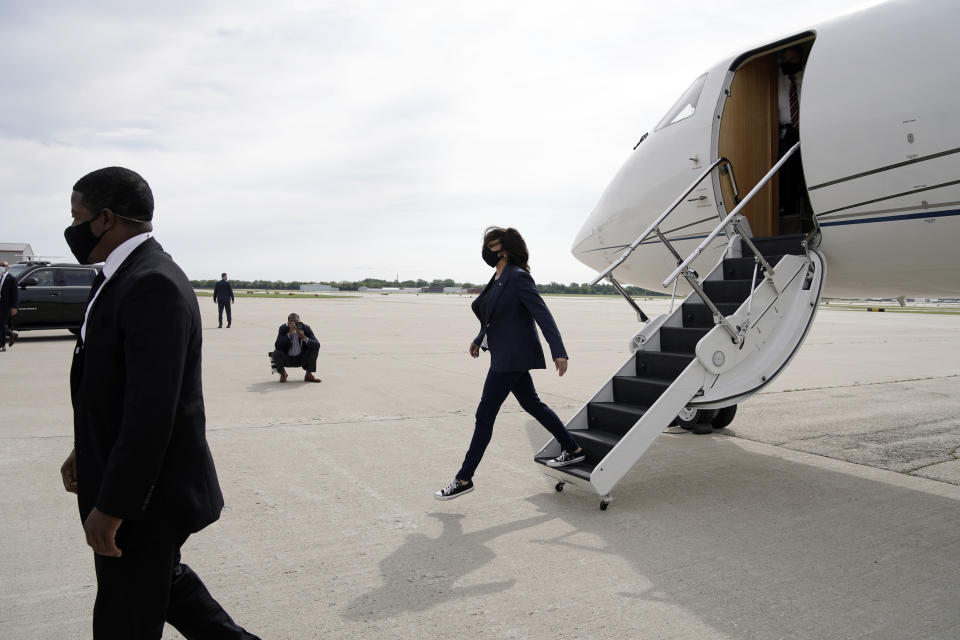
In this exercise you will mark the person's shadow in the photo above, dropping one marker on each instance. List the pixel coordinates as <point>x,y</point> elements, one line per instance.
<point>268,386</point>
<point>423,572</point>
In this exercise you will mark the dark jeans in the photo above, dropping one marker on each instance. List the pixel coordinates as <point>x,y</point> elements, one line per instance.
<point>498,386</point>
<point>221,305</point>
<point>148,586</point>
<point>306,359</point>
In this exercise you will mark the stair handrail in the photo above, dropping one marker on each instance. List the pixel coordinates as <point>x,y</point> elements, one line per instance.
<point>733,216</point>
<point>654,226</point>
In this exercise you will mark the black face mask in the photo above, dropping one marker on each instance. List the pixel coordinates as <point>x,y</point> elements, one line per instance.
<point>490,256</point>
<point>81,241</point>
<point>790,68</point>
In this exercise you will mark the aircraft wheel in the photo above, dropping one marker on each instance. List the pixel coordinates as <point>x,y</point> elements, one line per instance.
<point>724,417</point>
<point>689,418</point>
<point>559,487</point>
<point>604,505</point>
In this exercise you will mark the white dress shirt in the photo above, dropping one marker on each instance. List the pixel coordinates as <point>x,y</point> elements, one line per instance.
<point>784,95</point>
<point>116,258</point>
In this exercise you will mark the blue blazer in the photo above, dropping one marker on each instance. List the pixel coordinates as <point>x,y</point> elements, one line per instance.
<point>512,307</point>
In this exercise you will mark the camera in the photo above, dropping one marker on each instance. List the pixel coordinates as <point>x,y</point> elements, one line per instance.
<point>299,326</point>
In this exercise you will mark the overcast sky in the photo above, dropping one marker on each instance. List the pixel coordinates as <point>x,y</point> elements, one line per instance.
<point>343,140</point>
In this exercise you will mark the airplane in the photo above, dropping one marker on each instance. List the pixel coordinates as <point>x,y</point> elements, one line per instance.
<point>705,206</point>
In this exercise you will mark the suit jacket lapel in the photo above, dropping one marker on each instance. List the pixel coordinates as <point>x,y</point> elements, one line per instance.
<point>498,286</point>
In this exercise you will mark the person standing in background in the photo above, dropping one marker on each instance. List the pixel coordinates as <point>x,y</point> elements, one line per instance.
<point>223,296</point>
<point>9,298</point>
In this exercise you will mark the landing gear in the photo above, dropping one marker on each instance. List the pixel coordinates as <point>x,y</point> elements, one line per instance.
<point>689,418</point>
<point>724,417</point>
<point>559,486</point>
<point>605,502</point>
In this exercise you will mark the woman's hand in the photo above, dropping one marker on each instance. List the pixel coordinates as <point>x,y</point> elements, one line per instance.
<point>561,364</point>
<point>474,350</point>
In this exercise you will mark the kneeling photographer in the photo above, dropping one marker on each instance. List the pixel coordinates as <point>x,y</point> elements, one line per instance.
<point>296,346</point>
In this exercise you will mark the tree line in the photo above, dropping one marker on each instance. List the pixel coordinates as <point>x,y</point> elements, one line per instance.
<point>375,283</point>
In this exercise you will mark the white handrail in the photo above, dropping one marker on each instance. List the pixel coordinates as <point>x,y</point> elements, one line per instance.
<point>730,216</point>
<point>656,223</point>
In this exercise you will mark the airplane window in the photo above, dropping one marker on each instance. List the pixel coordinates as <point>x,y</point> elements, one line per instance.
<point>685,106</point>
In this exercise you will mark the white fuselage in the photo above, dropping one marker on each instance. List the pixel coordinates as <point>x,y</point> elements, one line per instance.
<point>880,144</point>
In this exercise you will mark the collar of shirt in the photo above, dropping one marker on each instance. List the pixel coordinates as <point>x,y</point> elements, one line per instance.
<point>116,258</point>
<point>121,253</point>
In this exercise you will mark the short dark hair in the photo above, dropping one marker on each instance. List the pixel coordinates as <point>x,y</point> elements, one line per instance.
<point>121,190</point>
<point>223,274</point>
<point>510,241</point>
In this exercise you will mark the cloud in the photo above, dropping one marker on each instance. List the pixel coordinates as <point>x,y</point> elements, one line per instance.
<point>304,140</point>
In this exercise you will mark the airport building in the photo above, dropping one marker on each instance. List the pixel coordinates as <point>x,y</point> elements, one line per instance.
<point>16,252</point>
<point>318,287</point>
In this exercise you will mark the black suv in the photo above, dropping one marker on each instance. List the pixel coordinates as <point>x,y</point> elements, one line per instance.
<point>52,296</point>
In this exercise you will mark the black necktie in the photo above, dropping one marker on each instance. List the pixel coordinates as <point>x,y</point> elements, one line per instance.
<point>794,103</point>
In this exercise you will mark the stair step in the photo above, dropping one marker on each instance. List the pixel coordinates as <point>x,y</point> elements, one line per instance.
<point>638,390</point>
<point>681,339</point>
<point>727,290</point>
<point>613,417</point>
<point>596,443</point>
<point>779,245</point>
<point>659,364</point>
<point>580,470</point>
<point>697,314</point>
<point>742,268</point>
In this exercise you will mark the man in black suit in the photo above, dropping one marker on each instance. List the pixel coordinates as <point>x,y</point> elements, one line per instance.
<point>296,345</point>
<point>9,298</point>
<point>223,296</point>
<point>141,467</point>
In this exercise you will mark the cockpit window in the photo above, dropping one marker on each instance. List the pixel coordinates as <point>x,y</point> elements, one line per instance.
<point>685,106</point>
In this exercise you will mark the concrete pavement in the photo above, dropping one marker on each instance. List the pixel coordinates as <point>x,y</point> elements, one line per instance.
<point>330,529</point>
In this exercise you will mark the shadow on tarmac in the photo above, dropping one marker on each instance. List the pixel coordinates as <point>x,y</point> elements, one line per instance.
<point>759,546</point>
<point>26,337</point>
<point>422,572</point>
<point>269,386</point>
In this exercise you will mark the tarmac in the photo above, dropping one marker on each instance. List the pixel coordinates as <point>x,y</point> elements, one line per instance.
<point>827,510</point>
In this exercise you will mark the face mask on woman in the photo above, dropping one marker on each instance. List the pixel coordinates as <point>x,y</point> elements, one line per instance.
<point>490,256</point>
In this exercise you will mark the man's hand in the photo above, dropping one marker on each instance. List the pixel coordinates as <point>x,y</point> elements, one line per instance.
<point>561,364</point>
<point>68,472</point>
<point>13,311</point>
<point>474,350</point>
<point>302,335</point>
<point>101,531</point>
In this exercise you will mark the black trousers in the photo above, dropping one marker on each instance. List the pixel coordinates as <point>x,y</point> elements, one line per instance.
<point>221,305</point>
<point>306,359</point>
<point>496,388</point>
<point>792,185</point>
<point>148,586</point>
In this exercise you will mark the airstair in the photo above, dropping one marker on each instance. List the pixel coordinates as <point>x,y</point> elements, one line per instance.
<point>736,331</point>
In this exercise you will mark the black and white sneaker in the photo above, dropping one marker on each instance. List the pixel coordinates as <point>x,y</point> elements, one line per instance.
<point>453,490</point>
<point>566,458</point>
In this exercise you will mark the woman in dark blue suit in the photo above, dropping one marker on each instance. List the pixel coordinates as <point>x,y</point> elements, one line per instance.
<point>507,309</point>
